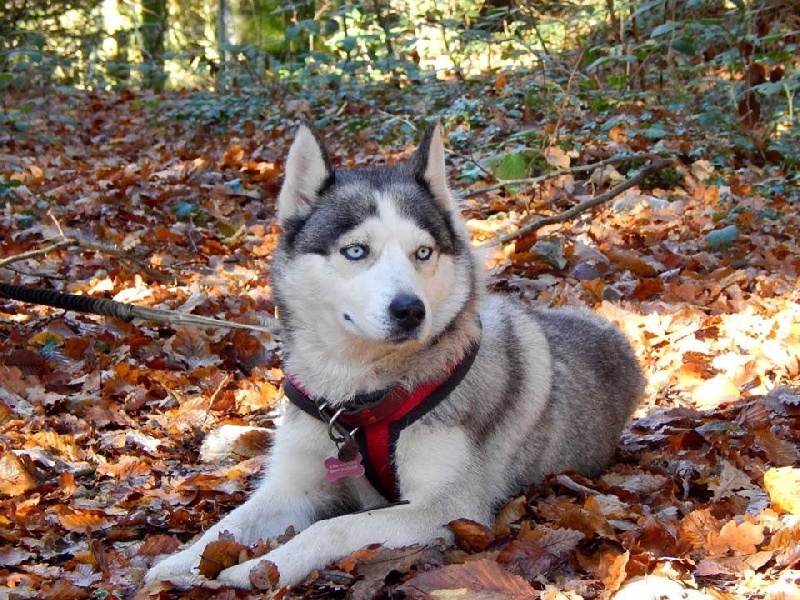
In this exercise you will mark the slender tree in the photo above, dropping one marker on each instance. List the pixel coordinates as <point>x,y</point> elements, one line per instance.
<point>154,26</point>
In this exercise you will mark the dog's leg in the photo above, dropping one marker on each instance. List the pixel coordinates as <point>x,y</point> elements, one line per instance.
<point>293,492</point>
<point>326,541</point>
<point>440,482</point>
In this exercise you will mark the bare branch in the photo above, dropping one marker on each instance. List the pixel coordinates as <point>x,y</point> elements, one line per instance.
<point>40,252</point>
<point>620,158</point>
<point>650,169</point>
<point>72,242</point>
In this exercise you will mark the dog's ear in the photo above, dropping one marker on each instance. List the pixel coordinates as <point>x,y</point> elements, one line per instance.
<point>308,171</point>
<point>428,166</point>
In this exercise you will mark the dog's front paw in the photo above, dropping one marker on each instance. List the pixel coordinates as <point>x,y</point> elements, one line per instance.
<point>182,566</point>
<point>238,576</point>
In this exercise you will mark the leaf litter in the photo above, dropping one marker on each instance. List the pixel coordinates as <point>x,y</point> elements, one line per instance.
<point>102,464</point>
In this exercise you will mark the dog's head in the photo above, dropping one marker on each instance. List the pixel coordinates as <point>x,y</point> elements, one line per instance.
<point>374,254</point>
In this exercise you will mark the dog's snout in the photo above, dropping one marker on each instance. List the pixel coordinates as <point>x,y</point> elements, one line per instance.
<point>408,311</point>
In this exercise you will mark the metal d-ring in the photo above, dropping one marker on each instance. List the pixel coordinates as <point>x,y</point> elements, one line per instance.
<point>331,425</point>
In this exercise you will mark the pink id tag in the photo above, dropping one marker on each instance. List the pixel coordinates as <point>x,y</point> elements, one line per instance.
<point>336,468</point>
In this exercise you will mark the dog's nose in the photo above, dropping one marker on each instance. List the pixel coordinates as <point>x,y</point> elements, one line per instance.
<point>408,311</point>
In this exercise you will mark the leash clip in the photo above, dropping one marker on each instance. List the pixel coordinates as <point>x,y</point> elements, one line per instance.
<point>346,446</point>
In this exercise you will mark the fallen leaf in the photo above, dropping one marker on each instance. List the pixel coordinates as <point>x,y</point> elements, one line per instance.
<point>221,554</point>
<point>783,486</point>
<point>471,536</point>
<point>265,575</point>
<point>156,545</point>
<point>611,570</point>
<point>555,156</point>
<point>81,521</point>
<point>476,576</point>
<point>738,538</point>
<point>14,477</point>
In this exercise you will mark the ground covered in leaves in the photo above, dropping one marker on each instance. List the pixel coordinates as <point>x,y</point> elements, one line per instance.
<point>169,202</point>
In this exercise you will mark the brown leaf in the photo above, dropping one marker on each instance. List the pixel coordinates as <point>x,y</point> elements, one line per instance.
<point>265,575</point>
<point>780,453</point>
<point>251,443</point>
<point>477,576</point>
<point>527,559</point>
<point>628,260</point>
<point>512,511</point>
<point>470,535</point>
<point>698,527</point>
<point>221,554</point>
<point>611,570</point>
<point>81,521</point>
<point>555,156</point>
<point>14,477</point>
<point>739,538</point>
<point>62,590</point>
<point>155,545</point>
<point>731,479</point>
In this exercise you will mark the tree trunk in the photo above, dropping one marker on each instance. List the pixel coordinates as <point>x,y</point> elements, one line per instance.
<point>154,26</point>
<point>223,41</point>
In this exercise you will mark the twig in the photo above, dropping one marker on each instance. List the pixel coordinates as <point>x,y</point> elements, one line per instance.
<point>121,310</point>
<point>33,253</point>
<point>654,167</point>
<point>608,161</point>
<point>150,272</point>
<point>72,242</point>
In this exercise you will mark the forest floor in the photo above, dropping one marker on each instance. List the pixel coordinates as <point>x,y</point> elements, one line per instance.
<point>170,202</point>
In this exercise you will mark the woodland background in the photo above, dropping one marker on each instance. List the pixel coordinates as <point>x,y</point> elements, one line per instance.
<point>141,150</point>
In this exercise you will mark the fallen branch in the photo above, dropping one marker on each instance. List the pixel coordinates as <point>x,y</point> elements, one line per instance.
<point>119,310</point>
<point>650,169</point>
<point>34,253</point>
<point>580,168</point>
<point>73,243</point>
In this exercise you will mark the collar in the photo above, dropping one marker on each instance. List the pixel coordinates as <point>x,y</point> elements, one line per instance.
<point>374,421</point>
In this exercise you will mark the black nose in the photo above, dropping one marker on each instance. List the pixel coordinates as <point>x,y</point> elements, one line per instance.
<point>407,311</point>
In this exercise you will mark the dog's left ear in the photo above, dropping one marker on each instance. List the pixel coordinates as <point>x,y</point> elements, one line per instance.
<point>308,171</point>
<point>428,167</point>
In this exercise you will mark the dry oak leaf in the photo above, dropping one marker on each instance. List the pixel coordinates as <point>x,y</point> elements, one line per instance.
<point>221,554</point>
<point>481,576</point>
<point>739,538</point>
<point>731,479</point>
<point>512,511</point>
<point>471,536</point>
<point>611,570</point>
<point>783,486</point>
<point>81,521</point>
<point>14,477</point>
<point>555,156</point>
<point>265,575</point>
<point>698,527</point>
<point>62,590</point>
<point>159,544</point>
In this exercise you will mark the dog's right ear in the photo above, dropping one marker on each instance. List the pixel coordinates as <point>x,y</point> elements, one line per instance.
<point>308,171</point>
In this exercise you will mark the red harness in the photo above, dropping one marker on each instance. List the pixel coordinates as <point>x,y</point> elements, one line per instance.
<point>379,418</point>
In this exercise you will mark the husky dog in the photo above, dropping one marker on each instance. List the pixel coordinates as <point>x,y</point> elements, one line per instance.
<point>407,383</point>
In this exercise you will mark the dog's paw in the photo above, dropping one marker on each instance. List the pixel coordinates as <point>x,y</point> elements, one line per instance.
<point>178,567</point>
<point>238,576</point>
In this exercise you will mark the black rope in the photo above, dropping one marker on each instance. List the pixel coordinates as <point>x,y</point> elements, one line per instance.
<point>84,304</point>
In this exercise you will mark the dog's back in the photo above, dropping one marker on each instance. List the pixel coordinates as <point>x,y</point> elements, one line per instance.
<point>550,390</point>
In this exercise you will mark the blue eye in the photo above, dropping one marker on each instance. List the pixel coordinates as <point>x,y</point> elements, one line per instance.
<point>355,251</point>
<point>423,253</point>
